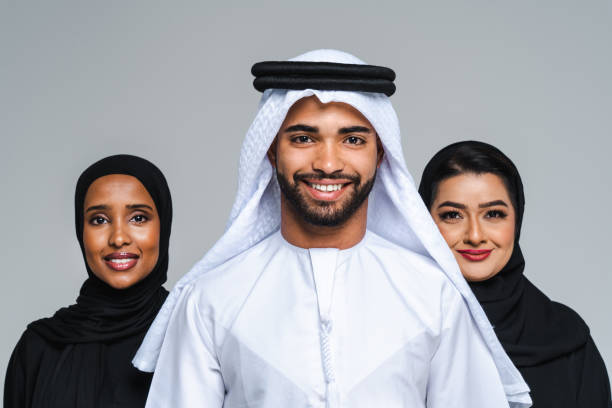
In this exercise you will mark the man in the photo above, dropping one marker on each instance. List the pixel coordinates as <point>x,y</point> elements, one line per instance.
<point>331,286</point>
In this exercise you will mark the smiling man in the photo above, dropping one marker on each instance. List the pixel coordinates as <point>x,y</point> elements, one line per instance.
<point>325,156</point>
<point>332,286</point>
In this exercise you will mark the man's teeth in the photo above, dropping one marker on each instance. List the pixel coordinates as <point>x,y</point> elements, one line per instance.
<point>326,187</point>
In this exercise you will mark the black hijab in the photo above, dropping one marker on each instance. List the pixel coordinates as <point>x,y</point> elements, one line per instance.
<point>103,314</point>
<point>531,328</point>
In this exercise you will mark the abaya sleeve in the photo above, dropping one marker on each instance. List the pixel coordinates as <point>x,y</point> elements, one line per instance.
<point>594,389</point>
<point>21,372</point>
<point>14,383</point>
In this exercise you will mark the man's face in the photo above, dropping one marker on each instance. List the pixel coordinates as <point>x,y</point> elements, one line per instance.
<point>326,156</point>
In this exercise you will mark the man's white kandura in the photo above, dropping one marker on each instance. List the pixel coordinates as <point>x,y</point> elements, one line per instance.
<point>248,320</point>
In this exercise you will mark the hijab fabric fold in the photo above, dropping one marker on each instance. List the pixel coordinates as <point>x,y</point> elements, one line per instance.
<point>532,328</point>
<point>101,313</point>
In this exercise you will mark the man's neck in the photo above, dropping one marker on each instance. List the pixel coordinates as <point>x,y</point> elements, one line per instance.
<point>302,234</point>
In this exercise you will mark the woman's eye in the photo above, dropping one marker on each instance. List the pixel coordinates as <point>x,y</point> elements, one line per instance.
<point>139,219</point>
<point>354,140</point>
<point>450,215</point>
<point>98,220</point>
<point>496,214</point>
<point>302,139</point>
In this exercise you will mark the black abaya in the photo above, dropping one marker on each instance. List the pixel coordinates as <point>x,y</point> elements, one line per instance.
<point>81,356</point>
<point>35,361</point>
<point>548,342</point>
<point>577,379</point>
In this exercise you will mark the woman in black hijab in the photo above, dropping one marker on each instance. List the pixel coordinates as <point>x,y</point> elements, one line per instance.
<point>81,357</point>
<point>475,195</point>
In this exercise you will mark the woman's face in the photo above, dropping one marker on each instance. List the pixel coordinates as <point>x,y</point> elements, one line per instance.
<point>476,217</point>
<point>120,230</point>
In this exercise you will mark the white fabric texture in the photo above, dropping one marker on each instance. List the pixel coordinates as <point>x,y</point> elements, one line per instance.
<point>396,212</point>
<point>391,331</point>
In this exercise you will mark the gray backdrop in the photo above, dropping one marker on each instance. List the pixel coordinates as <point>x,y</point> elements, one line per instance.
<point>171,82</point>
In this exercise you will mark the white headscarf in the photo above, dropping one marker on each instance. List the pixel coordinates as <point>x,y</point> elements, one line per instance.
<point>395,212</point>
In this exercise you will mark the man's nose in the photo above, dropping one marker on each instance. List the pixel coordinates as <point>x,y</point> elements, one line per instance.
<point>328,159</point>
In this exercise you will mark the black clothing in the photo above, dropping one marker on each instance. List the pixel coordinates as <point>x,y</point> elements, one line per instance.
<point>81,357</point>
<point>36,361</point>
<point>576,379</point>
<point>548,342</point>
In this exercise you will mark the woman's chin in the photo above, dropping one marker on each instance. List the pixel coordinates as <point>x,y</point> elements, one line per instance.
<point>123,281</point>
<point>477,276</point>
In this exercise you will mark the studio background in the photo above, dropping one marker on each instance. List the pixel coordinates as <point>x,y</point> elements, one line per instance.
<point>171,82</point>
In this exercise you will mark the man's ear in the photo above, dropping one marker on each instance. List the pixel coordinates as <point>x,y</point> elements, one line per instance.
<point>272,153</point>
<point>380,151</point>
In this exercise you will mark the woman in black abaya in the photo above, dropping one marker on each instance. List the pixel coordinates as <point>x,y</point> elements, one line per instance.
<point>475,195</point>
<point>81,357</point>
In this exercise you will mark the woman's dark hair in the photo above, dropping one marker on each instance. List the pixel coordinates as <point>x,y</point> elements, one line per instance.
<point>477,158</point>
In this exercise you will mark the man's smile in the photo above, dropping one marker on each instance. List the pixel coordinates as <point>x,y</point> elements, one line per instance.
<point>326,189</point>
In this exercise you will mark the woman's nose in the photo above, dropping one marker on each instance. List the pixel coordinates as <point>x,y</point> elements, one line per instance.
<point>475,234</point>
<point>119,236</point>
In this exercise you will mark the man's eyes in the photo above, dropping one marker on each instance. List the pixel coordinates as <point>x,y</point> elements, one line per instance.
<point>301,139</point>
<point>354,140</point>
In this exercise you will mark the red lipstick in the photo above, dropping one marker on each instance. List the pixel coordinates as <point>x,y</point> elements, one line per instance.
<point>475,254</point>
<point>121,261</point>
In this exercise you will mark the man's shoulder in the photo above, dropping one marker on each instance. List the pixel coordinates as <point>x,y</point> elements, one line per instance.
<point>233,279</point>
<point>416,274</point>
<point>404,256</point>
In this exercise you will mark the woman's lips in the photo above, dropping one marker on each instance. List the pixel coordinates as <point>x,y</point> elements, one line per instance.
<point>121,261</point>
<point>475,254</point>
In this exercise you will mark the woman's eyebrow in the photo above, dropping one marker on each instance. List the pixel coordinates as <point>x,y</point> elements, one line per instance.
<point>138,206</point>
<point>493,203</point>
<point>129,206</point>
<point>452,204</point>
<point>97,207</point>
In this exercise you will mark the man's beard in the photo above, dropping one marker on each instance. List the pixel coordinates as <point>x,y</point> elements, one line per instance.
<point>323,213</point>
